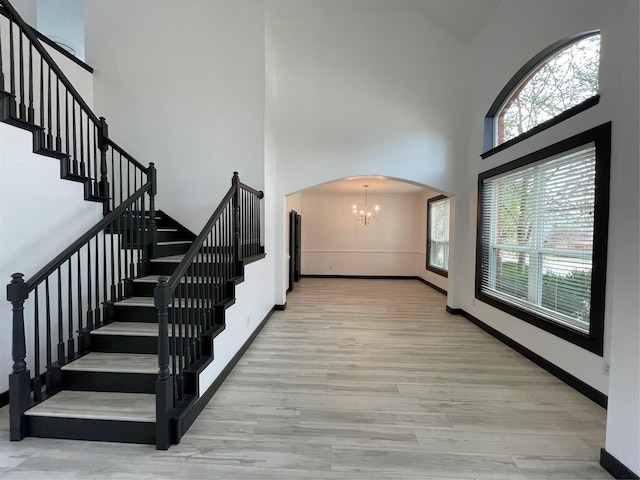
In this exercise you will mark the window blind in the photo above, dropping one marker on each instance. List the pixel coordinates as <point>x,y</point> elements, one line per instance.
<point>537,237</point>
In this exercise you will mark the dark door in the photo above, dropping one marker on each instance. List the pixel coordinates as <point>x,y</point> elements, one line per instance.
<point>295,255</point>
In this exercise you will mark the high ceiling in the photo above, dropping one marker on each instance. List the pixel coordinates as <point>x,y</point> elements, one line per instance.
<point>462,19</point>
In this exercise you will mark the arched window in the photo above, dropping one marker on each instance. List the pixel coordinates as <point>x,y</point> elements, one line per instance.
<point>559,82</point>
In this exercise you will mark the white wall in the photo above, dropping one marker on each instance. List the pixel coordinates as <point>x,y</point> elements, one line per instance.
<point>334,244</point>
<point>517,31</point>
<point>40,214</point>
<point>183,86</point>
<point>394,245</point>
<point>359,93</point>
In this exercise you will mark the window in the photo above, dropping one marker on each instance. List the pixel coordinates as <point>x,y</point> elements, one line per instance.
<point>542,237</point>
<point>438,235</point>
<point>559,82</point>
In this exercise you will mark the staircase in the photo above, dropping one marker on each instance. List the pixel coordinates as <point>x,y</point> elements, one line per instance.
<point>121,361</point>
<point>124,319</point>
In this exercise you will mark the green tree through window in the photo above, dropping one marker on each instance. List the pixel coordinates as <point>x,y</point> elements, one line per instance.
<point>562,81</point>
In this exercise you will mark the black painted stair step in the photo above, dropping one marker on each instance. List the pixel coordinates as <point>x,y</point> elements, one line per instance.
<point>112,372</point>
<point>90,415</point>
<point>131,407</point>
<point>189,286</point>
<point>115,363</point>
<point>139,337</point>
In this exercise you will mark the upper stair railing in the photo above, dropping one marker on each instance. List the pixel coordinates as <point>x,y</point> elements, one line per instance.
<point>190,303</point>
<point>36,94</point>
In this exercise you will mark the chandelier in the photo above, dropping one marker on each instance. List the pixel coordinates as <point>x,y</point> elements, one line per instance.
<point>364,215</point>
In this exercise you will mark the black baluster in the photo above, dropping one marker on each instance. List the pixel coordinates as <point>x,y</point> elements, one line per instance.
<point>71,347</point>
<point>66,127</point>
<point>119,229</point>
<point>41,92</point>
<point>85,166</point>
<point>19,383</point>
<point>113,181</point>
<point>48,339</point>
<point>164,390</point>
<point>114,232</point>
<point>179,354</point>
<point>98,317</point>
<point>22,108</point>
<point>121,177</point>
<point>105,281</point>
<point>80,163</point>
<point>82,331</point>
<point>58,136</point>
<point>61,354</point>
<point>94,190</point>
<point>12,72</point>
<point>30,111</point>
<point>126,241</point>
<point>49,125</point>
<point>37,383</point>
<point>1,66</point>
<point>90,322</point>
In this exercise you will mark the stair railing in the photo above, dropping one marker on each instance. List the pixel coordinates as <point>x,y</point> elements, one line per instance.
<point>74,294</point>
<point>35,94</point>
<point>190,303</point>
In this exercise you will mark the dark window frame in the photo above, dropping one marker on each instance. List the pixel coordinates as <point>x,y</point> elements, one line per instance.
<point>433,268</point>
<point>593,341</point>
<point>489,148</point>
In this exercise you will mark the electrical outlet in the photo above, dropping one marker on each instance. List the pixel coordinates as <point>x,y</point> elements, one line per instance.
<point>605,368</point>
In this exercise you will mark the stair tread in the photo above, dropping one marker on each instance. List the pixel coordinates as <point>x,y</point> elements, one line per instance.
<point>131,407</point>
<point>155,278</point>
<point>176,242</point>
<point>137,329</point>
<point>178,258</point>
<point>136,302</point>
<point>115,363</point>
<point>132,329</point>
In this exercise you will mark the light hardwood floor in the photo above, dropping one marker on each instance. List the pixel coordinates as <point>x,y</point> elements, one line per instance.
<point>359,379</point>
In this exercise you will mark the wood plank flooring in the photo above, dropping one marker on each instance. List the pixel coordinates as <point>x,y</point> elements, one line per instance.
<point>359,379</point>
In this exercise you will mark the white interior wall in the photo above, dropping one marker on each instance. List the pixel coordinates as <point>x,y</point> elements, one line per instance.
<point>518,31</point>
<point>358,94</point>
<point>201,116</point>
<point>40,214</point>
<point>334,244</point>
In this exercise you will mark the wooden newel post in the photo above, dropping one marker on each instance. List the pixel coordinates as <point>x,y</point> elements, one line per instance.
<point>164,385</point>
<point>235,182</point>
<point>19,379</point>
<point>103,137</point>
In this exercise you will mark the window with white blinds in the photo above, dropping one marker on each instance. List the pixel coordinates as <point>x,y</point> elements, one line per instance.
<point>540,220</point>
<point>438,234</point>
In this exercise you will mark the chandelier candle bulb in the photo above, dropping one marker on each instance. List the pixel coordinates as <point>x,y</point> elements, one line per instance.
<point>364,215</point>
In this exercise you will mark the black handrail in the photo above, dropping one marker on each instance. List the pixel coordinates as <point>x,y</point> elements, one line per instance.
<point>124,153</point>
<point>54,264</point>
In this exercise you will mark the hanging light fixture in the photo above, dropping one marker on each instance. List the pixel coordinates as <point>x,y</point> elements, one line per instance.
<point>364,215</point>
